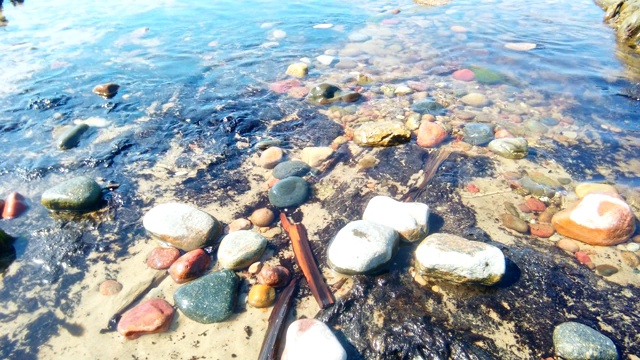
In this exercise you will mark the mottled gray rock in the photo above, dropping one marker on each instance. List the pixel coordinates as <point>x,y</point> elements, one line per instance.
<point>240,249</point>
<point>362,247</point>
<point>575,341</point>
<point>477,133</point>
<point>381,133</point>
<point>208,299</point>
<point>311,339</point>
<point>182,226</point>
<point>408,219</point>
<point>452,258</point>
<point>77,194</point>
<point>71,137</point>
<point>510,148</point>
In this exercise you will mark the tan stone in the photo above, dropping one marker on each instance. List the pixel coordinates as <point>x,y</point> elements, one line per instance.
<point>585,189</point>
<point>298,70</point>
<point>383,133</point>
<point>315,156</point>
<point>271,157</point>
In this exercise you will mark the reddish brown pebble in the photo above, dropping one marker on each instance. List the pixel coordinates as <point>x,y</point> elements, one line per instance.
<point>547,214</point>
<point>189,266</point>
<point>464,75</point>
<point>636,239</point>
<point>110,287</point>
<point>568,245</point>
<point>161,258</point>
<point>535,204</point>
<point>541,230</point>
<point>14,206</point>
<point>151,317</point>
<point>472,188</point>
<point>262,217</point>
<point>524,208</point>
<point>582,257</point>
<point>276,276</point>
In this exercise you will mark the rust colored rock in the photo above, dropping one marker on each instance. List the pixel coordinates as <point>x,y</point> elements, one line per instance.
<point>151,317</point>
<point>431,134</point>
<point>189,266</point>
<point>598,219</point>
<point>541,230</point>
<point>161,258</point>
<point>276,276</point>
<point>535,204</point>
<point>14,206</point>
<point>547,215</point>
<point>464,75</point>
<point>582,257</point>
<point>110,287</point>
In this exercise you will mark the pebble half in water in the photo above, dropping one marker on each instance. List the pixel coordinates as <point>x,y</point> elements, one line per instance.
<point>71,137</point>
<point>108,90</point>
<point>77,194</point>
<point>575,341</point>
<point>408,219</point>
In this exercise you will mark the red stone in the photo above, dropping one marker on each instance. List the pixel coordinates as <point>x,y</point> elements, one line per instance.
<point>151,317</point>
<point>464,75</point>
<point>275,276</point>
<point>431,134</point>
<point>14,206</point>
<point>189,266</point>
<point>535,204</point>
<point>283,86</point>
<point>472,188</point>
<point>161,258</point>
<point>582,257</point>
<point>541,230</point>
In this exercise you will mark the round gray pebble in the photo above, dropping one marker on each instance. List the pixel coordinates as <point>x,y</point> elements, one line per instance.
<point>292,191</point>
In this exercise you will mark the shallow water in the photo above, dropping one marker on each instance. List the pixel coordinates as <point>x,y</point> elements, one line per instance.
<point>194,94</point>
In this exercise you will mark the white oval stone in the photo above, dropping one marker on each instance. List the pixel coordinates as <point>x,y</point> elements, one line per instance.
<point>362,246</point>
<point>311,339</point>
<point>181,225</point>
<point>523,46</point>
<point>325,59</point>
<point>456,259</point>
<point>408,219</point>
<point>240,249</point>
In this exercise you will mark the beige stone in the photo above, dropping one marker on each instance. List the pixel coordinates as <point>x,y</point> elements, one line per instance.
<point>315,156</point>
<point>298,70</point>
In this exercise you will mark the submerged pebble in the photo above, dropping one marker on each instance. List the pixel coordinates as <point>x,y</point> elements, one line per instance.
<point>606,269</point>
<point>151,317</point>
<point>510,148</point>
<point>289,192</point>
<point>208,299</point>
<point>71,137</point>
<point>110,287</point>
<point>161,258</point>
<point>189,266</point>
<point>477,133</point>
<point>514,223</point>
<point>275,276</point>
<point>262,217</point>
<point>240,249</point>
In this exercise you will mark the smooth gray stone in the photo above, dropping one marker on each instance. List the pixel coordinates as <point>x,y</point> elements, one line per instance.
<point>77,194</point>
<point>429,107</point>
<point>72,136</point>
<point>510,148</point>
<point>477,134</point>
<point>210,298</point>
<point>575,341</point>
<point>290,168</point>
<point>292,191</point>
<point>240,249</point>
<point>548,121</point>
<point>535,127</point>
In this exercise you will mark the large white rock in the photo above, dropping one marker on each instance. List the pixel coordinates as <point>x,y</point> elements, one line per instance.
<point>311,339</point>
<point>408,219</point>
<point>182,226</point>
<point>362,246</point>
<point>456,259</point>
<point>240,249</point>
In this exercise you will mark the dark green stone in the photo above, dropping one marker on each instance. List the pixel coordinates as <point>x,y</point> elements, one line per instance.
<point>486,76</point>
<point>77,194</point>
<point>290,168</point>
<point>292,191</point>
<point>72,136</point>
<point>210,298</point>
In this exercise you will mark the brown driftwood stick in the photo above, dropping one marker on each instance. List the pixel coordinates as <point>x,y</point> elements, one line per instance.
<point>269,350</point>
<point>304,258</point>
<point>430,167</point>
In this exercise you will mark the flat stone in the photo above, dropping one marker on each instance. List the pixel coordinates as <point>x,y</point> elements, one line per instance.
<point>598,219</point>
<point>584,189</point>
<point>182,226</point>
<point>520,46</point>
<point>541,230</point>
<point>289,192</point>
<point>316,155</point>
<point>208,299</point>
<point>410,220</point>
<point>290,168</point>
<point>239,224</point>
<point>271,157</point>
<point>606,269</point>
<point>151,317</point>
<point>71,137</point>
<point>240,249</point>
<point>568,245</point>
<point>110,287</point>
<point>311,339</point>
<point>189,266</point>
<point>298,70</point>
<point>161,258</point>
<point>362,247</point>
<point>575,341</point>
<point>510,148</point>
<point>452,258</point>
<point>381,133</point>
<point>77,194</point>
<point>486,76</point>
<point>514,223</point>
<point>477,133</point>
<point>535,204</point>
<point>475,100</point>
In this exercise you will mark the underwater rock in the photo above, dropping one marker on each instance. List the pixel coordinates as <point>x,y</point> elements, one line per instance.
<point>362,247</point>
<point>261,296</point>
<point>292,191</point>
<point>381,133</point>
<point>606,270</point>
<point>77,194</point>
<point>182,226</point>
<point>535,205</point>
<point>584,189</point>
<point>475,100</point>
<point>271,157</point>
<point>14,206</point>
<point>316,155</point>
<point>521,46</point>
<point>575,341</point>
<point>431,134</point>
<point>598,219</point>
<point>510,148</point>
<point>463,75</point>
<point>189,266</point>
<point>325,60</point>
<point>290,168</point>
<point>324,94</point>
<point>208,299</point>
<point>108,90</point>
<point>568,245</point>
<point>240,249</point>
<point>429,107</point>
<point>453,258</point>
<point>311,339</point>
<point>262,217</point>
<point>486,76</point>
<point>541,230</point>
<point>514,223</point>
<point>238,224</point>
<point>110,287</point>
<point>151,317</point>
<point>275,276</point>
<point>284,86</point>
<point>410,220</point>
<point>477,133</point>
<point>71,137</point>
<point>161,258</point>
<point>298,70</point>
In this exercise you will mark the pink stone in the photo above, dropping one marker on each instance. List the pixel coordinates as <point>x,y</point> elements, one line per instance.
<point>239,224</point>
<point>472,188</point>
<point>598,219</point>
<point>524,208</point>
<point>110,287</point>
<point>390,22</point>
<point>298,92</point>
<point>161,258</point>
<point>535,204</point>
<point>283,86</point>
<point>431,134</point>
<point>14,206</point>
<point>150,317</point>
<point>189,266</point>
<point>541,230</point>
<point>582,257</point>
<point>418,85</point>
<point>464,75</point>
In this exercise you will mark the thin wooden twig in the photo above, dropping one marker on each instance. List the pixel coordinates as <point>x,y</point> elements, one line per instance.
<point>430,168</point>
<point>278,317</point>
<point>304,258</point>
